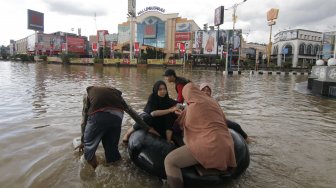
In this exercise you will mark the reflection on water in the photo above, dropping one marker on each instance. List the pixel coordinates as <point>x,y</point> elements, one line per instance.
<point>40,111</point>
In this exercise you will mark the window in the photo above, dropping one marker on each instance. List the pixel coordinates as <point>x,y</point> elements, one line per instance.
<point>310,49</point>
<point>302,49</point>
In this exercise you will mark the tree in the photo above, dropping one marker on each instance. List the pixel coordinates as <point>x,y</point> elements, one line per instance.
<point>4,52</point>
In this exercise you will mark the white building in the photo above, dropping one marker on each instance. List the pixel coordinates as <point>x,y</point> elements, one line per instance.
<point>301,47</point>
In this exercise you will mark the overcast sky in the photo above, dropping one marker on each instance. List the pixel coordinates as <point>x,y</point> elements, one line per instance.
<point>62,15</point>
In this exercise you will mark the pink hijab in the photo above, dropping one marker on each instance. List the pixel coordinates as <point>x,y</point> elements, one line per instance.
<point>203,85</point>
<point>205,131</point>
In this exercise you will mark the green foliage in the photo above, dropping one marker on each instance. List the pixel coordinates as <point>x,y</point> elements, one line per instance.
<point>117,55</point>
<point>107,52</point>
<point>188,62</point>
<point>98,60</point>
<point>3,52</point>
<point>43,57</point>
<point>142,61</point>
<point>287,64</point>
<point>66,57</point>
<point>24,57</point>
<point>152,53</point>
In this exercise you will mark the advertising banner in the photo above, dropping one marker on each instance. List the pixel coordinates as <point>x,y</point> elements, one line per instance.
<point>75,44</point>
<point>63,47</point>
<point>183,27</point>
<point>272,14</point>
<point>186,45</point>
<point>101,35</point>
<point>123,34</point>
<point>219,16</point>
<point>131,7</point>
<point>136,47</point>
<point>222,39</point>
<point>328,44</point>
<point>94,46</point>
<point>111,37</point>
<point>35,20</point>
<point>150,31</point>
<point>182,36</point>
<point>198,41</point>
<point>31,42</point>
<point>209,43</point>
<point>234,38</point>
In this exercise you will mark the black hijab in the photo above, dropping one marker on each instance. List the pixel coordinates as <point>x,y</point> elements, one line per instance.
<point>156,102</point>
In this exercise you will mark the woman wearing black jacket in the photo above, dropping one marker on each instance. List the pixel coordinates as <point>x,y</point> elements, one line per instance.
<point>161,112</point>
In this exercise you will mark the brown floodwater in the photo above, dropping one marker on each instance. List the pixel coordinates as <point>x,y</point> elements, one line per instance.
<point>40,114</point>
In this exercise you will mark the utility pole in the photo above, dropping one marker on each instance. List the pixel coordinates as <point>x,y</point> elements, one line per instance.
<point>234,19</point>
<point>272,15</point>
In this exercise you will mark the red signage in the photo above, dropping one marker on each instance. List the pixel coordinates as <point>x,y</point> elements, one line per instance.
<point>35,20</point>
<point>182,47</point>
<point>75,45</point>
<point>136,47</point>
<point>182,36</point>
<point>150,31</point>
<point>94,46</point>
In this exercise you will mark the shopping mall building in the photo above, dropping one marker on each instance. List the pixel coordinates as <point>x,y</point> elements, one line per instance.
<point>153,27</point>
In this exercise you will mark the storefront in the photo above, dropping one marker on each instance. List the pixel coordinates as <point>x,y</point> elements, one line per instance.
<point>153,27</point>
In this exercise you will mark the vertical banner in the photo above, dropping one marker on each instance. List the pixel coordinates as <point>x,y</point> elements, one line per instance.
<point>182,47</point>
<point>136,48</point>
<point>63,47</point>
<point>209,42</point>
<point>94,47</point>
<point>198,41</point>
<point>219,16</point>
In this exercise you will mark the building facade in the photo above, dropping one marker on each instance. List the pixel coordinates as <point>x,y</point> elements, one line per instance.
<point>152,27</point>
<point>299,47</point>
<point>50,44</point>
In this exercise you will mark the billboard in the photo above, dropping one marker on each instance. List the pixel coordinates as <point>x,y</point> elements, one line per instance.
<point>222,39</point>
<point>35,20</point>
<point>272,14</point>
<point>198,41</point>
<point>101,35</point>
<point>31,42</point>
<point>94,46</point>
<point>209,43</point>
<point>183,27</point>
<point>219,16</point>
<point>131,7</point>
<point>111,37</point>
<point>328,44</point>
<point>206,42</point>
<point>150,31</point>
<point>234,38</point>
<point>75,45</point>
<point>123,33</point>
<point>186,45</point>
<point>182,36</point>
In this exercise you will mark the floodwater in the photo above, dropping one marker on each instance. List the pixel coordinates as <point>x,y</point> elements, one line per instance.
<point>40,114</point>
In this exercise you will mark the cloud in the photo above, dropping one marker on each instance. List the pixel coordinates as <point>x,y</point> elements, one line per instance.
<point>77,8</point>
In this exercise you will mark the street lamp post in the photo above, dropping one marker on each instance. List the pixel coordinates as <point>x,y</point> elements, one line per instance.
<point>234,19</point>
<point>272,15</point>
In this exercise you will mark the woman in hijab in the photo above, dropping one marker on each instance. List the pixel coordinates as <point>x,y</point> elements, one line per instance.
<point>161,109</point>
<point>205,88</point>
<point>207,139</point>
